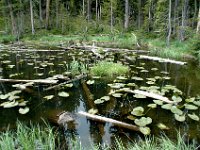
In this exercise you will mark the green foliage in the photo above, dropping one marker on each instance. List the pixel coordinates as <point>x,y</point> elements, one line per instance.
<point>34,137</point>
<point>7,39</point>
<point>108,69</point>
<point>77,68</point>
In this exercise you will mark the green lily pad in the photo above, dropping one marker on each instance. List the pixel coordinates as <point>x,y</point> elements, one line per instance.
<point>162,126</point>
<point>166,78</point>
<point>137,78</point>
<point>137,111</point>
<point>176,98</point>
<point>190,107</point>
<point>166,106</point>
<point>193,117</point>
<point>179,118</point>
<point>2,96</point>
<point>150,82</point>
<point>131,117</point>
<point>176,110</point>
<point>9,104</point>
<point>144,71</point>
<point>90,82</point>
<point>197,103</point>
<point>158,102</point>
<point>69,85</point>
<point>48,97</point>
<point>105,98</point>
<point>24,110</point>
<point>63,94</point>
<point>145,130</point>
<point>142,122</point>
<point>139,96</point>
<point>152,106</point>
<point>117,95</point>
<point>93,111</point>
<point>190,100</point>
<point>154,69</point>
<point>99,101</point>
<point>131,84</point>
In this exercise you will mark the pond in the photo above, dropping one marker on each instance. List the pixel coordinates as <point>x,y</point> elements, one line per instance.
<point>178,83</point>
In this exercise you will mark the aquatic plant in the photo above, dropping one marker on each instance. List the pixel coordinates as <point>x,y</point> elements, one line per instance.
<point>77,68</point>
<point>108,69</point>
<point>34,137</point>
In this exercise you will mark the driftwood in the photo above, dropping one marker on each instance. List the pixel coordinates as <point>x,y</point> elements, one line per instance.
<point>162,60</point>
<point>148,94</point>
<point>35,50</point>
<point>89,48</point>
<point>41,81</point>
<point>69,81</point>
<point>114,122</point>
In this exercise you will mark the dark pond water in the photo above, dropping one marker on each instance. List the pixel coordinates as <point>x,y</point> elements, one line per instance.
<point>41,65</point>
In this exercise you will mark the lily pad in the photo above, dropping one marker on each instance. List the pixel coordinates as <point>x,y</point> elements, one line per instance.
<point>193,117</point>
<point>99,101</point>
<point>2,96</point>
<point>105,98</point>
<point>166,106</point>
<point>190,100</point>
<point>93,111</point>
<point>131,117</point>
<point>131,84</point>
<point>158,102</point>
<point>9,104</point>
<point>137,111</point>
<point>24,110</point>
<point>197,103</point>
<point>48,97</point>
<point>176,98</point>
<point>63,94</point>
<point>176,110</point>
<point>90,82</point>
<point>142,122</point>
<point>139,96</point>
<point>162,126</point>
<point>190,107</point>
<point>179,118</point>
<point>152,106</point>
<point>117,95</point>
<point>145,130</point>
<point>137,78</point>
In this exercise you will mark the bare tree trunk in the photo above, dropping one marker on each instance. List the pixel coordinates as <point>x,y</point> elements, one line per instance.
<point>198,24</point>
<point>169,23</point>
<point>139,14</point>
<point>5,17</point>
<point>83,7</point>
<point>195,13</point>
<point>126,15</point>
<point>184,17</point>
<point>40,13</point>
<point>13,22</point>
<point>96,10</point>
<point>88,10</point>
<point>57,13</point>
<point>47,13</point>
<point>111,16</point>
<point>32,19</point>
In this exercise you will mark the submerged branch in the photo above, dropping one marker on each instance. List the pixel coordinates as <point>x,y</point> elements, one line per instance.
<point>41,81</point>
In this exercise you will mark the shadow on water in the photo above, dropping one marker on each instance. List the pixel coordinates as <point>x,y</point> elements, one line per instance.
<point>40,65</point>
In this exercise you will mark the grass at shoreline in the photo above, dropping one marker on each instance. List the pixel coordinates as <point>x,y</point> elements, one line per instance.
<point>156,46</point>
<point>37,137</point>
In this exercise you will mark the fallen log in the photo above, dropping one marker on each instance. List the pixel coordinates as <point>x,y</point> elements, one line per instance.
<point>162,60</point>
<point>114,122</point>
<point>89,48</point>
<point>148,94</point>
<point>35,50</point>
<point>41,81</point>
<point>69,81</point>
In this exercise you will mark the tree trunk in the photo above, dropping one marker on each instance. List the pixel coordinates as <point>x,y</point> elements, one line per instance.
<point>139,14</point>
<point>57,13</point>
<point>13,22</point>
<point>32,19</point>
<point>88,10</point>
<point>184,17</point>
<point>169,23</point>
<point>111,16</point>
<point>83,8</point>
<point>198,24</point>
<point>126,20</point>
<point>40,13</point>
<point>47,13</point>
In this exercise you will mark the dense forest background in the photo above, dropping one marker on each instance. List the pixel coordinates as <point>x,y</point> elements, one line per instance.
<point>171,19</point>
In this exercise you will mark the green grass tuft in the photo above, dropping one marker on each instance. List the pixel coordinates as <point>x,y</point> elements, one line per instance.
<point>108,69</point>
